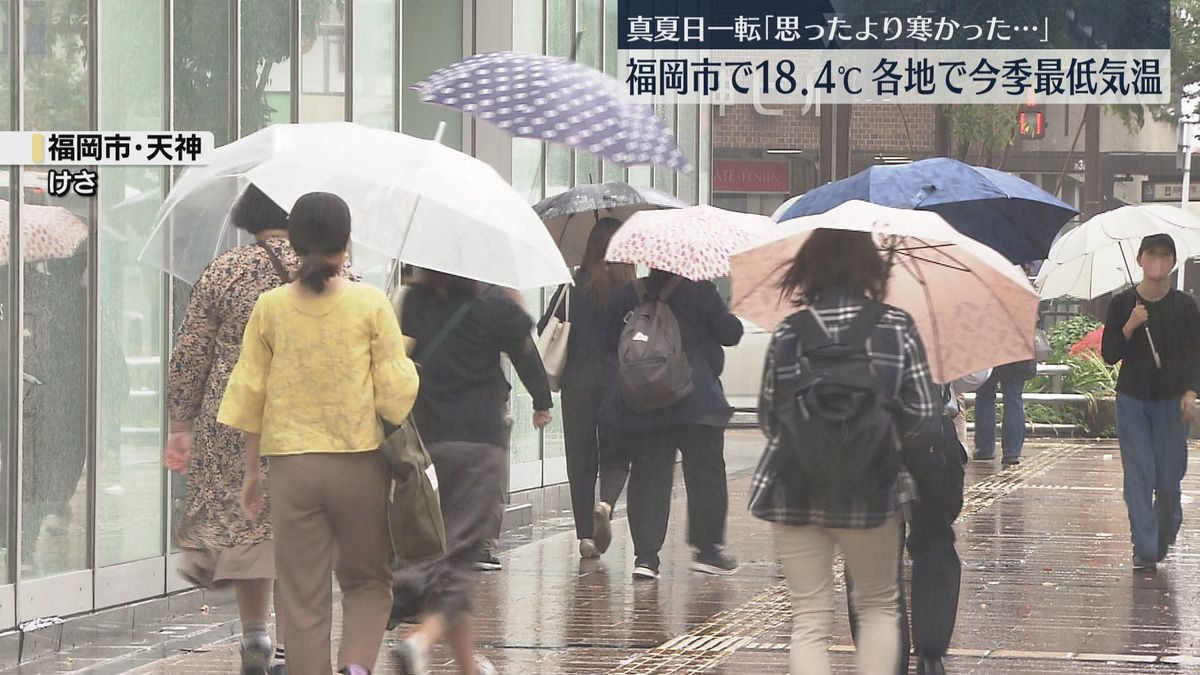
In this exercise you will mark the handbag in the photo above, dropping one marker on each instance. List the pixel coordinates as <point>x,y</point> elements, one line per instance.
<point>552,342</point>
<point>1041,346</point>
<point>415,521</point>
<point>414,510</point>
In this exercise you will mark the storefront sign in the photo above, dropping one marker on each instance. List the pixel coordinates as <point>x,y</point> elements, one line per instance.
<point>1169,191</point>
<point>736,175</point>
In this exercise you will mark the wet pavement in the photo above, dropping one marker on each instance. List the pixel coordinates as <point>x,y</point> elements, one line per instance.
<point>1047,588</point>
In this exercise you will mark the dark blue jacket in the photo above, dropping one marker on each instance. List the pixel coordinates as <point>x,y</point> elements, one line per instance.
<point>705,326</point>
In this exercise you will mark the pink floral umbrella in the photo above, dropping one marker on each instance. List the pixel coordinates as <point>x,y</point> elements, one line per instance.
<point>47,232</point>
<point>695,242</point>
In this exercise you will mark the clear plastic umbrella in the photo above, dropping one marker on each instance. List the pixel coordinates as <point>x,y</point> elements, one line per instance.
<point>411,199</point>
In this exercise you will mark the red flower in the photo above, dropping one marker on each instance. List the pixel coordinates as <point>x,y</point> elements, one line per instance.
<point>1089,343</point>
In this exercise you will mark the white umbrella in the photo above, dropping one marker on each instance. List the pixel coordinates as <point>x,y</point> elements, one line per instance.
<point>694,242</point>
<point>972,307</point>
<point>783,208</point>
<point>410,199</point>
<point>1100,256</point>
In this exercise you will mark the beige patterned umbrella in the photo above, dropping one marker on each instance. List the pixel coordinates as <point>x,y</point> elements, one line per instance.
<point>47,232</point>
<point>973,308</point>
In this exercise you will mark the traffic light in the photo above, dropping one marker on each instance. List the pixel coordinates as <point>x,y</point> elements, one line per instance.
<point>1031,122</point>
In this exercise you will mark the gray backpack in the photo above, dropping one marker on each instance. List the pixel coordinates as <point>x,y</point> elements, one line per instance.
<point>652,369</point>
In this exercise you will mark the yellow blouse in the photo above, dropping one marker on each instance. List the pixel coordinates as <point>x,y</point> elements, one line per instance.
<point>316,374</point>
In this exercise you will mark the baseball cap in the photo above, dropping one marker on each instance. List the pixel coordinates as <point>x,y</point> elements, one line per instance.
<point>1163,240</point>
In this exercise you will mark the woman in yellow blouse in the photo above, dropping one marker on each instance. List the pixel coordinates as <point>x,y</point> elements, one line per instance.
<point>322,361</point>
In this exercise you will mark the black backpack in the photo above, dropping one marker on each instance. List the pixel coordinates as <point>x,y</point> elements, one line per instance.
<point>839,443</point>
<point>652,369</point>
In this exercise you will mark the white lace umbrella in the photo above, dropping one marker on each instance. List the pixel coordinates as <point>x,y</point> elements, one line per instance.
<point>47,232</point>
<point>695,242</point>
<point>972,307</point>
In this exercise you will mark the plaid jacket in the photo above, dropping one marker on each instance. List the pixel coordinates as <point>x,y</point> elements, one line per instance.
<point>900,363</point>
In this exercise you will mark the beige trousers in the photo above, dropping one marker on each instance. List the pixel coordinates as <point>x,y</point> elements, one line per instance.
<point>325,508</point>
<point>872,556</point>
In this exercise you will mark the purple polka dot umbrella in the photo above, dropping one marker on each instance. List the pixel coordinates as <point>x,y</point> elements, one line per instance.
<point>548,98</point>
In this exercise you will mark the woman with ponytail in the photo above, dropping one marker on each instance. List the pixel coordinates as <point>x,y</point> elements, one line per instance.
<point>322,363</point>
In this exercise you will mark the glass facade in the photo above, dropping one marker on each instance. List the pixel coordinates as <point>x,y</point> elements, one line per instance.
<point>86,510</point>
<point>585,30</point>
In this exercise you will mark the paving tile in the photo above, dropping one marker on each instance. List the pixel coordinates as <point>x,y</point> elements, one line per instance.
<point>1047,588</point>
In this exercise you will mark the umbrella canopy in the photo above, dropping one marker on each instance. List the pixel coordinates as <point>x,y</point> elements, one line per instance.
<point>1011,215</point>
<point>410,199</point>
<point>695,242</point>
<point>571,215</point>
<point>972,307</point>
<point>548,98</point>
<point>47,232</point>
<point>1100,256</point>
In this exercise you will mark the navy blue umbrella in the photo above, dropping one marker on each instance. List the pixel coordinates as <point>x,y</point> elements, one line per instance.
<point>1011,215</point>
<point>548,98</point>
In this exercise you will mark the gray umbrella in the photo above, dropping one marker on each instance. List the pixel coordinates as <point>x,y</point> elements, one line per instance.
<point>571,215</point>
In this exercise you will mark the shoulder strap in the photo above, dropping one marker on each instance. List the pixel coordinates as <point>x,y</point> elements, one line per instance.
<point>809,331</point>
<point>429,348</point>
<point>284,276</point>
<point>669,288</point>
<point>639,286</point>
<point>863,325</point>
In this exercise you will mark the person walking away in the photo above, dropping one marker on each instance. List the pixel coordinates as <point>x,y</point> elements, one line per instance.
<point>936,462</point>
<point>824,480</point>
<point>592,450</point>
<point>322,362</point>
<point>488,560</point>
<point>1010,378</point>
<point>221,546</point>
<point>1154,332</point>
<point>459,334</point>
<point>694,423</point>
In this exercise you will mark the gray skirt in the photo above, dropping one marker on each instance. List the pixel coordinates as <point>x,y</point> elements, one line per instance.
<point>470,485</point>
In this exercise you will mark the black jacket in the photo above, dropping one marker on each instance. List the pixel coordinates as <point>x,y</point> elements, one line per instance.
<point>1174,324</point>
<point>705,326</point>
<point>463,389</point>
<point>588,363</point>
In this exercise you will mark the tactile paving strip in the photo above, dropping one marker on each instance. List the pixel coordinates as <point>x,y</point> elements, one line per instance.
<point>713,641</point>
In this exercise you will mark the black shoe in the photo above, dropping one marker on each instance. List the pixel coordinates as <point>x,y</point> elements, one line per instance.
<point>714,561</point>
<point>1164,547</point>
<point>1010,461</point>
<point>488,562</point>
<point>981,457</point>
<point>930,665</point>
<point>1140,565</point>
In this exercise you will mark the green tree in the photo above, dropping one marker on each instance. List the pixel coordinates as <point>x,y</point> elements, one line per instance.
<point>202,65</point>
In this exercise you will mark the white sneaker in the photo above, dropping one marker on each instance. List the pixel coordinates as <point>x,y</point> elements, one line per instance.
<point>485,666</point>
<point>602,526</point>
<point>412,658</point>
<point>587,549</point>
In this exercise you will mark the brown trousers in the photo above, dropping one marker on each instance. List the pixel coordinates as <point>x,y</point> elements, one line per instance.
<point>327,508</point>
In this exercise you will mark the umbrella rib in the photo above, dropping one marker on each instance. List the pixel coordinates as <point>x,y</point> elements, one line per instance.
<point>957,268</point>
<point>915,272</point>
<point>973,273</point>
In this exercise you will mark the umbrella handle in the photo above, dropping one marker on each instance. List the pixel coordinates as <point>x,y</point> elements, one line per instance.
<point>1153,349</point>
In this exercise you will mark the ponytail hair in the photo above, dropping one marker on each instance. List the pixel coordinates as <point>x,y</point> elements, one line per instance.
<point>318,227</point>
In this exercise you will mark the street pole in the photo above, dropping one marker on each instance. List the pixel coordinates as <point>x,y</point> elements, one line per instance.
<point>1186,146</point>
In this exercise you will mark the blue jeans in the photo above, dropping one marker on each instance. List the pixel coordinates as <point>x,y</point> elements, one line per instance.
<point>1012,429</point>
<point>1153,440</point>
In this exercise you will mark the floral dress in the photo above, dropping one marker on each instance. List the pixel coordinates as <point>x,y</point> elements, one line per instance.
<point>219,543</point>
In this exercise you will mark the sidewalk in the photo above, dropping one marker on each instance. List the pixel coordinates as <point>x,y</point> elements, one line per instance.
<point>1047,588</point>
